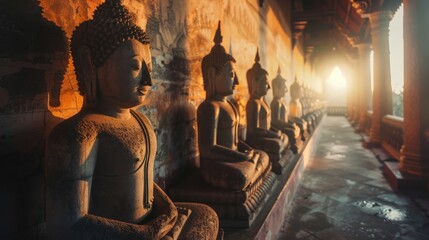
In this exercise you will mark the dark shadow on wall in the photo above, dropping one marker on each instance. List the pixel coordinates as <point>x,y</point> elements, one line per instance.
<point>176,136</point>
<point>33,57</point>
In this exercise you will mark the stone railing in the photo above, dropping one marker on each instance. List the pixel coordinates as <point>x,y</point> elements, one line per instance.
<point>336,111</point>
<point>392,133</point>
<point>368,122</point>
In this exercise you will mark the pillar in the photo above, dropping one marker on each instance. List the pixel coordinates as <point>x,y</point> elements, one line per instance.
<point>382,96</point>
<point>364,50</point>
<point>357,92</point>
<point>414,153</point>
<point>352,93</point>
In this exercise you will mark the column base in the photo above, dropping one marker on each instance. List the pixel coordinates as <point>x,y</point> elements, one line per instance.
<point>367,143</point>
<point>400,181</point>
<point>381,155</point>
<point>359,130</point>
<point>413,164</point>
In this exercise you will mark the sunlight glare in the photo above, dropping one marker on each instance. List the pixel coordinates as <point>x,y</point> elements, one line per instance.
<point>337,79</point>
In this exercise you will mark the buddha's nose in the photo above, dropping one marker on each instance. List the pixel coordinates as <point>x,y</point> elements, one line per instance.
<point>146,79</point>
<point>235,80</point>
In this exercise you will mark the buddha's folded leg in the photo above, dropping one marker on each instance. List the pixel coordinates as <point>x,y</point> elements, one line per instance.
<point>263,161</point>
<point>228,175</point>
<point>273,144</point>
<point>202,223</point>
<point>262,164</point>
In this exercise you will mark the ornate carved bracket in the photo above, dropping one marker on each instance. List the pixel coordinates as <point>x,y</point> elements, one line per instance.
<point>298,29</point>
<point>362,6</point>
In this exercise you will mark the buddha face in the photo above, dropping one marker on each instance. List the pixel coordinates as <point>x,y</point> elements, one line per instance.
<point>124,78</point>
<point>262,85</point>
<point>281,89</point>
<point>225,79</point>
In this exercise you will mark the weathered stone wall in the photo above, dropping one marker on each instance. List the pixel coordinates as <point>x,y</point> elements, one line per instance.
<point>38,87</point>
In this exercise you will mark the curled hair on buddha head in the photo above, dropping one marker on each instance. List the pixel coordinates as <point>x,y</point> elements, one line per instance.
<point>112,25</point>
<point>217,58</point>
<point>254,73</point>
<point>278,82</point>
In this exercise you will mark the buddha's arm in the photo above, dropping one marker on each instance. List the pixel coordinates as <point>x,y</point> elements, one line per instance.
<point>279,124</point>
<point>276,121</point>
<point>252,113</point>
<point>70,167</point>
<point>208,118</point>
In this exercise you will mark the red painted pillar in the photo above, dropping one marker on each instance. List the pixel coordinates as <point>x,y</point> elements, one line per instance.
<point>382,96</point>
<point>415,153</point>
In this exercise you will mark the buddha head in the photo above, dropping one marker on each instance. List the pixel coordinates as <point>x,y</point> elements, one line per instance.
<point>279,86</point>
<point>218,69</point>
<point>295,90</point>
<point>112,57</point>
<point>257,79</point>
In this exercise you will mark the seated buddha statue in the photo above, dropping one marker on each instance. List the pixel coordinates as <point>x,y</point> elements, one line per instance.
<point>295,114</point>
<point>233,178</point>
<point>279,118</point>
<point>100,161</point>
<point>225,161</point>
<point>260,135</point>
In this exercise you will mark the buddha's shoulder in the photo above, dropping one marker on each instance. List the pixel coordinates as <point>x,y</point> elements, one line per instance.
<point>253,102</point>
<point>80,127</point>
<point>209,106</point>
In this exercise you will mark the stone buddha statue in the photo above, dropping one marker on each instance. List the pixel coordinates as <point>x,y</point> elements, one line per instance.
<point>279,115</point>
<point>226,162</point>
<point>233,178</point>
<point>296,108</point>
<point>260,135</point>
<point>100,162</point>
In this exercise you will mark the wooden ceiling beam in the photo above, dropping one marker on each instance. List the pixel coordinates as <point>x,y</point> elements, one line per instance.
<point>312,15</point>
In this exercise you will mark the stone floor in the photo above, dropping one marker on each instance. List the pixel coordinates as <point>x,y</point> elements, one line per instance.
<point>343,195</point>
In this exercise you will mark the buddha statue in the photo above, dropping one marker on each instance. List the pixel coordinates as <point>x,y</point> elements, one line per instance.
<point>296,108</point>
<point>100,161</point>
<point>226,162</point>
<point>279,117</point>
<point>232,178</point>
<point>260,135</point>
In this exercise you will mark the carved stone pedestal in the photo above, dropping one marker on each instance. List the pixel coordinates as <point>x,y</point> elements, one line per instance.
<point>280,162</point>
<point>402,181</point>
<point>236,209</point>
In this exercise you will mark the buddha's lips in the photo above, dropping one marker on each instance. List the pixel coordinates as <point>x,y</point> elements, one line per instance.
<point>143,91</point>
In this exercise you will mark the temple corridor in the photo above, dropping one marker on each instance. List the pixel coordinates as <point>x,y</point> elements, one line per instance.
<point>343,194</point>
<point>221,119</point>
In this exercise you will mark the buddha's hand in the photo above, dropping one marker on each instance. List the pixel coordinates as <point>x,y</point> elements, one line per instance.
<point>160,226</point>
<point>165,212</point>
<point>255,158</point>
<point>249,154</point>
<point>277,134</point>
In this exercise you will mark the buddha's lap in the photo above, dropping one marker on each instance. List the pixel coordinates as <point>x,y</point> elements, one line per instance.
<point>203,223</point>
<point>234,175</point>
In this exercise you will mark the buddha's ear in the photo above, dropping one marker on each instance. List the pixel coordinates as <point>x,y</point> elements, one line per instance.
<point>211,73</point>
<point>87,70</point>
